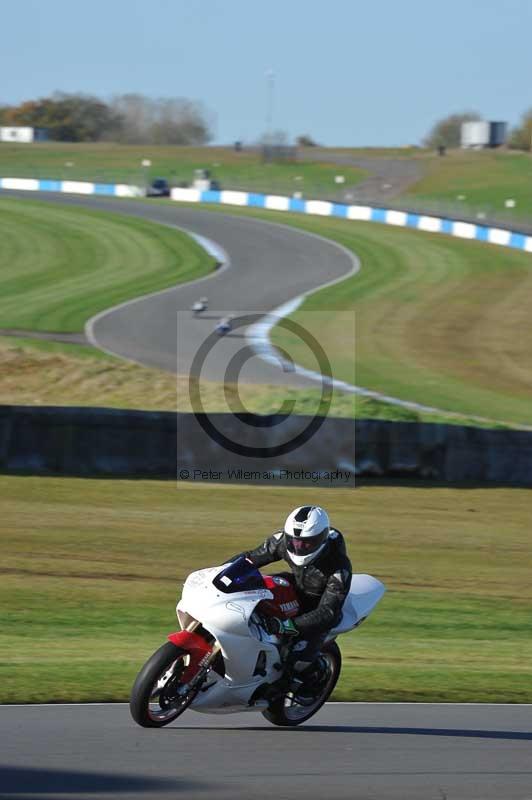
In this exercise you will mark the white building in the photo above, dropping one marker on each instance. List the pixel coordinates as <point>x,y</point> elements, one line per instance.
<point>480,133</point>
<point>23,135</point>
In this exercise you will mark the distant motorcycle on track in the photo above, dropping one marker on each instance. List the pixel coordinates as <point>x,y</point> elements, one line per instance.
<point>199,306</point>
<point>224,661</point>
<point>225,325</point>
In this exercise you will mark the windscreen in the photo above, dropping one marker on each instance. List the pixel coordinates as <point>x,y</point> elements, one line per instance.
<point>239,576</point>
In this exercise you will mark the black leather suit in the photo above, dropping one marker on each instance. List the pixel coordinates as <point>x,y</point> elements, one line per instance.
<point>322,585</point>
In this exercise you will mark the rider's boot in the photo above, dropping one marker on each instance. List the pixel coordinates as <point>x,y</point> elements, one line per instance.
<point>308,683</point>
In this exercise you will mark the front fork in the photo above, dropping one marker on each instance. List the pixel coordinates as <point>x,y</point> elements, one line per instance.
<point>205,663</point>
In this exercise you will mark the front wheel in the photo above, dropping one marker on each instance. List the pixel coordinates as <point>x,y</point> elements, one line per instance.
<point>157,696</point>
<point>286,711</point>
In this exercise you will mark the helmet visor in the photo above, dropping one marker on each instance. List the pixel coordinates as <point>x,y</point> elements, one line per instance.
<point>305,545</point>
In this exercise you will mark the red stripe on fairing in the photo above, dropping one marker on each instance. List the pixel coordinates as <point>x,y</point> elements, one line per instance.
<point>196,647</point>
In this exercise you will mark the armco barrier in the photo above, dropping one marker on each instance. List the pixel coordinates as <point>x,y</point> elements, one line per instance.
<point>403,219</point>
<point>99,442</point>
<point>71,187</point>
<point>364,213</point>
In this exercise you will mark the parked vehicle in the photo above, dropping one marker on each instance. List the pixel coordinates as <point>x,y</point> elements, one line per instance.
<point>158,188</point>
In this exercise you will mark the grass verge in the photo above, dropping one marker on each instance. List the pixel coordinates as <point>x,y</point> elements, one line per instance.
<point>439,321</point>
<point>482,180</point>
<point>91,571</point>
<point>34,372</point>
<point>112,163</point>
<point>59,265</point>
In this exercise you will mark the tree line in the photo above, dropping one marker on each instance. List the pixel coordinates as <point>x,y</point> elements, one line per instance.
<point>127,118</point>
<point>447,131</point>
<point>137,119</point>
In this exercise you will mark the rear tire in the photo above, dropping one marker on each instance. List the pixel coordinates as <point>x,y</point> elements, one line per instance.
<point>146,687</point>
<point>281,713</point>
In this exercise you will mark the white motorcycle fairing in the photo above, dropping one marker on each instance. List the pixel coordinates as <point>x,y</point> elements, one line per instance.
<point>364,594</point>
<point>251,656</point>
<point>228,618</point>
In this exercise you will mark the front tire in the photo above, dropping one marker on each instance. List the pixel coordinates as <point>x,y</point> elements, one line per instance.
<point>286,712</point>
<point>155,697</point>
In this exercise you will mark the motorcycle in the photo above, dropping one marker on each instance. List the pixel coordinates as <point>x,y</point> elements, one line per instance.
<point>223,660</point>
<point>223,326</point>
<point>199,306</point>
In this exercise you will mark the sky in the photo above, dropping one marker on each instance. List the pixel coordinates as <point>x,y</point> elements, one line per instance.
<point>346,72</point>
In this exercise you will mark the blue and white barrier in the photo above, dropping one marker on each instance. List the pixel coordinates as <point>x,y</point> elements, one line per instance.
<point>322,208</point>
<point>71,187</point>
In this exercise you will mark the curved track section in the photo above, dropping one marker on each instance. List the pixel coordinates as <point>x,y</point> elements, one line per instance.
<point>268,264</point>
<point>356,751</point>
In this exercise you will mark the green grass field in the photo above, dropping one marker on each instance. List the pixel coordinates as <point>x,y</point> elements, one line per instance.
<point>91,571</point>
<point>464,182</point>
<point>60,265</point>
<point>438,320</point>
<point>111,163</point>
<point>483,179</point>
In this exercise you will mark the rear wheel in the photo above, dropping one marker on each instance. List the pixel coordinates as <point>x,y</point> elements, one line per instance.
<point>286,711</point>
<point>158,697</point>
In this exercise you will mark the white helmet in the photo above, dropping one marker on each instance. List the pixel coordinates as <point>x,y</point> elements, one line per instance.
<point>306,530</point>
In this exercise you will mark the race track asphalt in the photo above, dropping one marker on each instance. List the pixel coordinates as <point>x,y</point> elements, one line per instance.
<point>269,265</point>
<point>357,751</point>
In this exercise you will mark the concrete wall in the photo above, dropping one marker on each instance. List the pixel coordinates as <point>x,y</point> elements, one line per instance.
<point>87,442</point>
<point>94,442</point>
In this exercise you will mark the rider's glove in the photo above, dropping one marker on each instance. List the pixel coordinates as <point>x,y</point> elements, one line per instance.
<point>280,627</point>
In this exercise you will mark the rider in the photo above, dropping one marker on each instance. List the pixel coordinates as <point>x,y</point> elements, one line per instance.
<point>224,324</point>
<point>321,571</point>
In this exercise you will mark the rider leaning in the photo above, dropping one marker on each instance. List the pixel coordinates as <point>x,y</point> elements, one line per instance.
<point>321,573</point>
